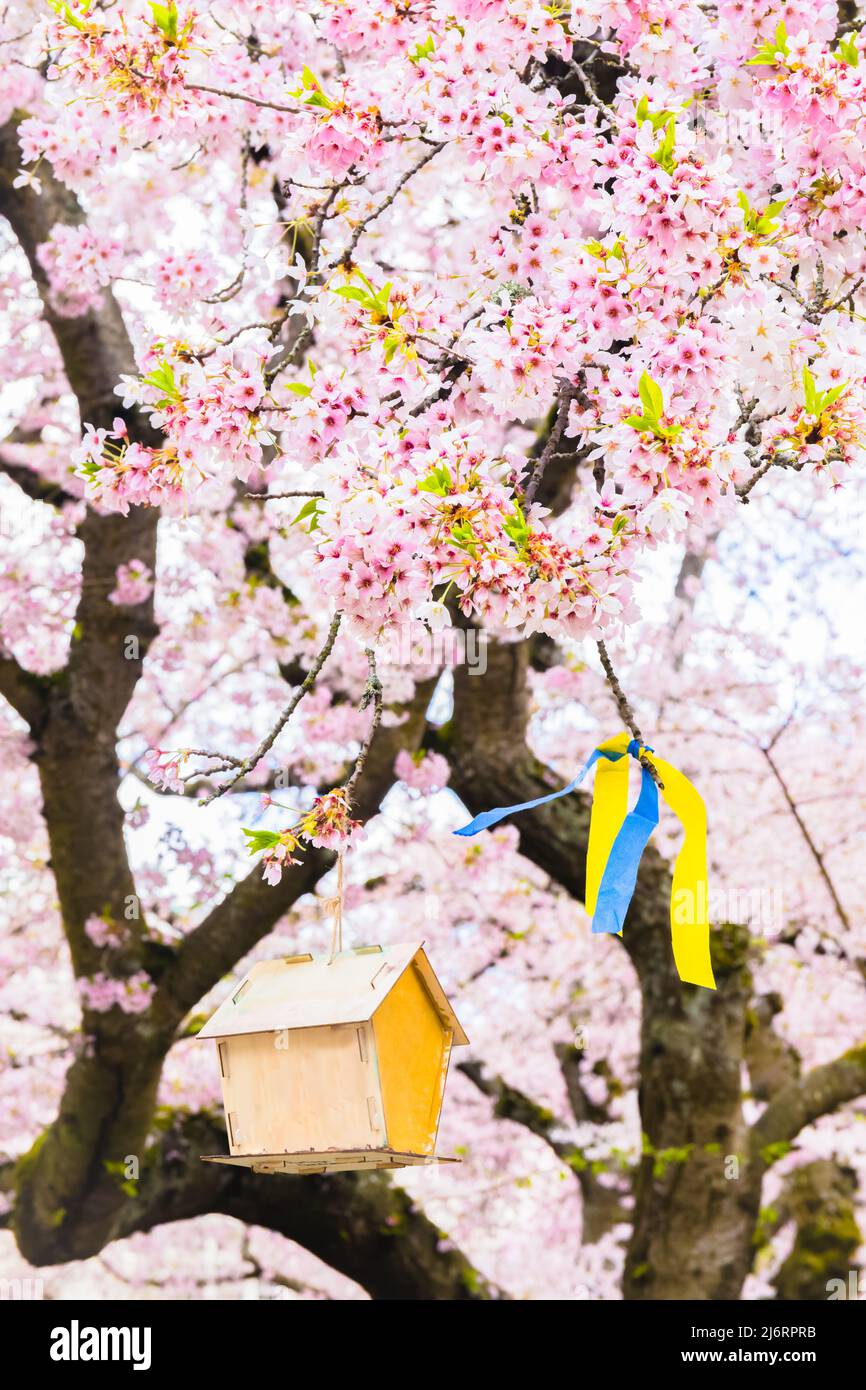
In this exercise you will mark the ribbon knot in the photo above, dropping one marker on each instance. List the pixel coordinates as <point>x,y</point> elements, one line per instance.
<point>634,748</point>
<point>617,839</point>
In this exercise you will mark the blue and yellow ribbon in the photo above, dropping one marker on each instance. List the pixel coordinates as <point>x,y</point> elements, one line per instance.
<point>618,837</point>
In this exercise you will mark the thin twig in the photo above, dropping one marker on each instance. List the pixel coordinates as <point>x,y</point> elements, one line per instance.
<point>242,96</point>
<point>566,395</point>
<point>592,95</point>
<point>275,496</point>
<point>346,257</point>
<point>846,297</point>
<point>372,695</point>
<point>224,342</point>
<point>815,852</point>
<point>626,713</point>
<point>743,489</point>
<point>303,689</point>
<point>227,758</point>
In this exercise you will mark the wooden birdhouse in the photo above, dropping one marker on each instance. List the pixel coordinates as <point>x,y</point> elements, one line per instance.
<point>330,1065</point>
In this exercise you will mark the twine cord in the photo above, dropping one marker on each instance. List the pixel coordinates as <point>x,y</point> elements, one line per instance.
<point>335,905</point>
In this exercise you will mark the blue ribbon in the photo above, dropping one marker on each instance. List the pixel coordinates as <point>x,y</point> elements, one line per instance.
<point>620,872</point>
<point>488,818</point>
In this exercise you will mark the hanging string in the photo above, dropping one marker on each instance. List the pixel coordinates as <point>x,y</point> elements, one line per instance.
<point>335,905</point>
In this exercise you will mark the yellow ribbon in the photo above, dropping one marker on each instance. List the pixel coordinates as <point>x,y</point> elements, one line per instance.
<point>690,927</point>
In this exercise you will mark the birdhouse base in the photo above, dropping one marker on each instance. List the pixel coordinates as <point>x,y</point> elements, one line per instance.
<point>330,1161</point>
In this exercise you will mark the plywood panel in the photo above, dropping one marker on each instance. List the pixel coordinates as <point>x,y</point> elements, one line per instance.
<point>314,1089</point>
<point>411,1045</point>
<point>333,1161</point>
<point>302,992</point>
<point>440,999</point>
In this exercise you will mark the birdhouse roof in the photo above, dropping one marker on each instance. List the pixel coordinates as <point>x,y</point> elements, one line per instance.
<point>314,991</point>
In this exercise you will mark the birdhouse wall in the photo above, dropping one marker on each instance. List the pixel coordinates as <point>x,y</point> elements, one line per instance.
<point>307,1088</point>
<point>412,1047</point>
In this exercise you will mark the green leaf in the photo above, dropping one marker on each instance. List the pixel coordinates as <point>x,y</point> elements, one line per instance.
<point>463,536</point>
<point>390,345</point>
<point>423,50</point>
<point>847,52</point>
<point>810,394</point>
<point>761,223</point>
<point>640,422</point>
<point>260,839</point>
<point>656,118</point>
<point>162,379</point>
<point>311,84</point>
<point>651,396</point>
<point>299,388</point>
<point>619,522</point>
<point>382,300</point>
<point>66,13</point>
<point>765,224</point>
<point>516,528</point>
<point>830,397</point>
<point>438,482</point>
<point>771,1153</point>
<point>358,296</point>
<point>664,154</point>
<point>650,423</point>
<point>309,512</point>
<point>768,53</point>
<point>165,19</point>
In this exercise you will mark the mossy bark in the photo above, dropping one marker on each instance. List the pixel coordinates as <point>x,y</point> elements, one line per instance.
<point>820,1199</point>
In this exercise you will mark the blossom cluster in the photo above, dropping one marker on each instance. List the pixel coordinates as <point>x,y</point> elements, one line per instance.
<point>477,232</point>
<point>78,265</point>
<point>326,825</point>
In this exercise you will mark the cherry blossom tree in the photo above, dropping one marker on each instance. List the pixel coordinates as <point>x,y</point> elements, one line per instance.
<point>397,400</point>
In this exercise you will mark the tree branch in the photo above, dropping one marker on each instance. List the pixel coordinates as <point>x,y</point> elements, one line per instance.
<point>253,907</point>
<point>626,713</point>
<point>362,1225</point>
<point>33,485</point>
<point>96,351</point>
<point>819,1092</point>
<point>24,693</point>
